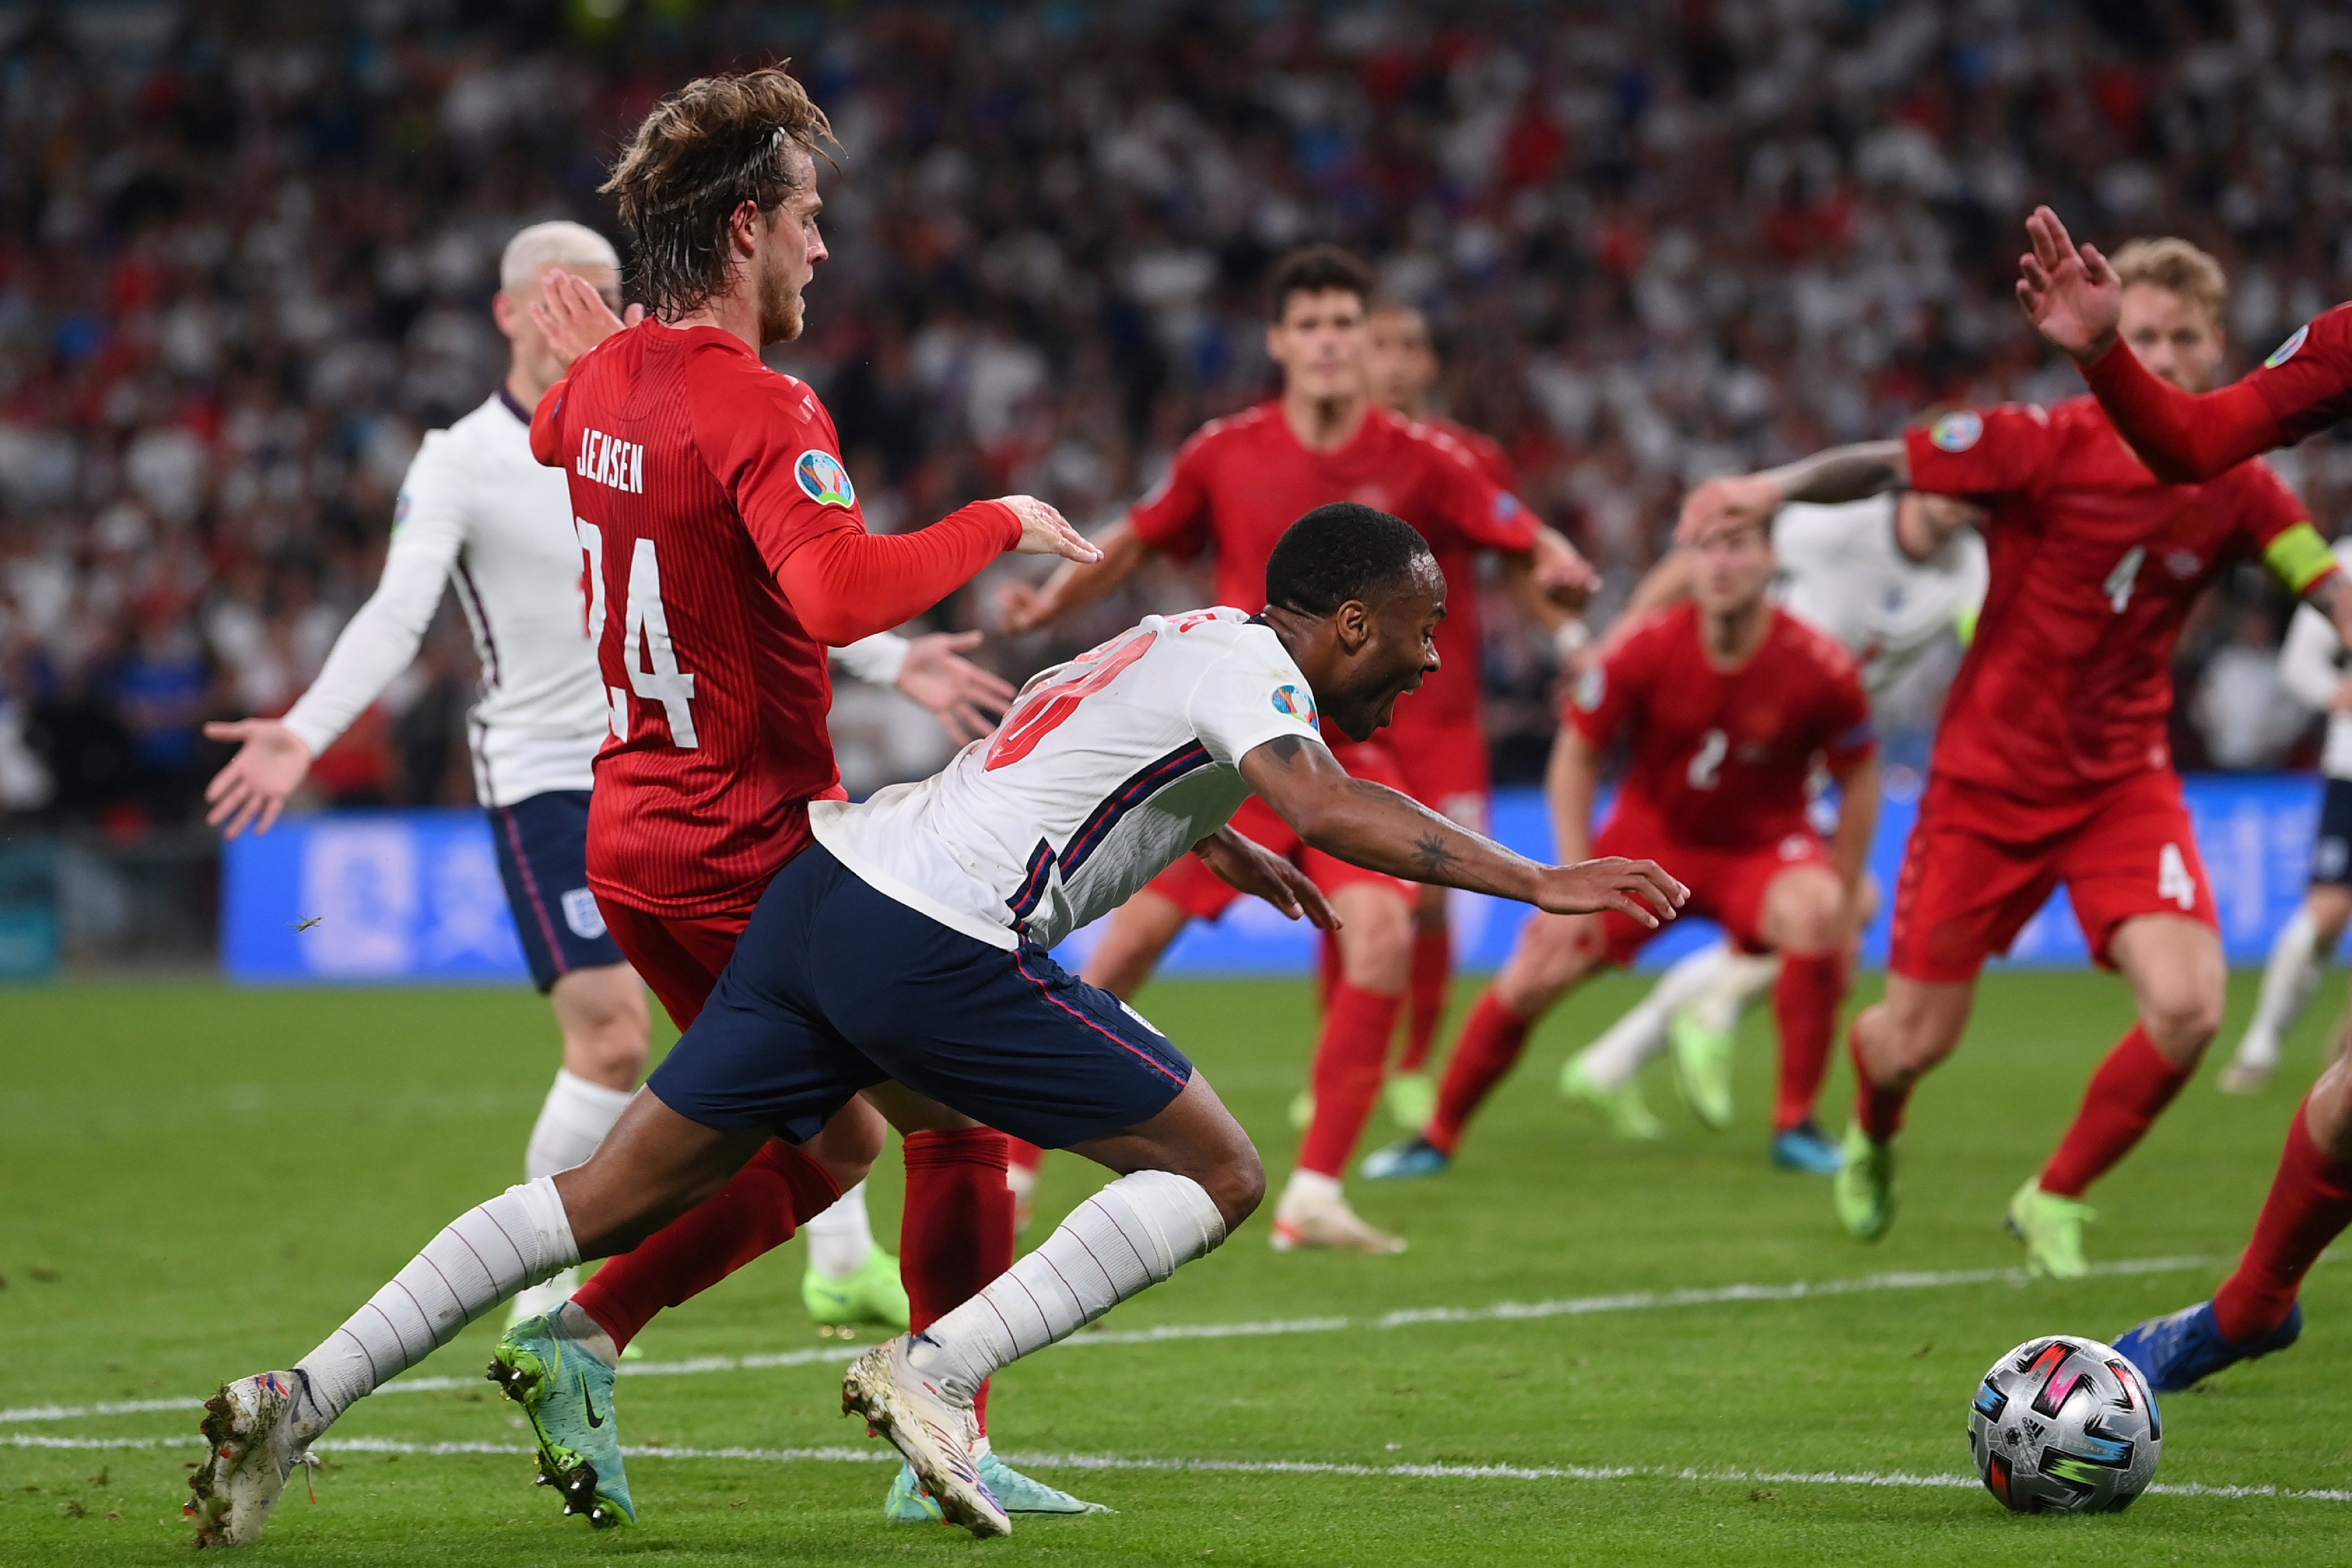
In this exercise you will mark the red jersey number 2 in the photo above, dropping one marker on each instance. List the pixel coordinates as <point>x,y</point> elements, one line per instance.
<point>1041,712</point>
<point>644,632</point>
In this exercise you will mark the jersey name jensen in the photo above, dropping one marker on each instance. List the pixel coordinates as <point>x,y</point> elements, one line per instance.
<point>608,460</point>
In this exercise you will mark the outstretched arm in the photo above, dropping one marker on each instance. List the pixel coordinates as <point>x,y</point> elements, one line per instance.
<point>1078,584</point>
<point>2074,299</point>
<point>1371,826</point>
<point>846,584</point>
<point>1841,474</point>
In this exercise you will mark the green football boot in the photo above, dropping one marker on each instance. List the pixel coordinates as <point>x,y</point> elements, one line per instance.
<point>1863,1188</point>
<point>875,1294</point>
<point>567,1392</point>
<point>2052,1228</point>
<point>1411,1100</point>
<point>1302,1110</point>
<point>1703,1069</point>
<point>909,1503</point>
<point>1621,1110</point>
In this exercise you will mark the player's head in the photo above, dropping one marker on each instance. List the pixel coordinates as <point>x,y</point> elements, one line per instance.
<point>1399,357</point>
<point>530,256</point>
<point>718,189</point>
<point>1356,596</point>
<point>1734,563</point>
<point>1316,300</point>
<point>2173,297</point>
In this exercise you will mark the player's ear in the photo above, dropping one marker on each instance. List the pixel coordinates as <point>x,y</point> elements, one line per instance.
<point>1352,624</point>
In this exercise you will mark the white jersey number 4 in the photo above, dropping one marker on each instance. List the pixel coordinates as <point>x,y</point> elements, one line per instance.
<point>2172,878</point>
<point>645,632</point>
<point>1707,764</point>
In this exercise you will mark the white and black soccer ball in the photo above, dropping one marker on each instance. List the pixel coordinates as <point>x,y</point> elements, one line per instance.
<point>2064,1425</point>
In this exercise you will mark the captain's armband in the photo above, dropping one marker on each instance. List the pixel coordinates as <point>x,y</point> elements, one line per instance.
<point>2299,556</point>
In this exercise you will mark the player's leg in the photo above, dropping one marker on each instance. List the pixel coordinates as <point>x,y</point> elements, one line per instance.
<point>1411,1092</point>
<point>2256,1311</point>
<point>1804,919</point>
<point>1553,955</point>
<point>2139,889</point>
<point>654,1165</point>
<point>2298,956</point>
<point>1139,933</point>
<point>1894,1043</point>
<point>1601,1077</point>
<point>1359,1018</point>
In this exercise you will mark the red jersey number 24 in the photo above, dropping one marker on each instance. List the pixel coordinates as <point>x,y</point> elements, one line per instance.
<point>645,634</point>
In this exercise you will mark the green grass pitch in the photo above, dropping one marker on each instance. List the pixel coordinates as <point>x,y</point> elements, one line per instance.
<point>200,1183</point>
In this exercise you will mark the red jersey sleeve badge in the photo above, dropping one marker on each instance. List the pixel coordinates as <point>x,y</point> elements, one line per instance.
<point>822,479</point>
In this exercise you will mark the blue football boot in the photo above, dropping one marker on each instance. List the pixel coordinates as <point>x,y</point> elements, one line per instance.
<point>567,1392</point>
<point>2184,1347</point>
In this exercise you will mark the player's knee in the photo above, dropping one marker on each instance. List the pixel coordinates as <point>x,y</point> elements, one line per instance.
<point>602,1015</point>
<point>1554,952</point>
<point>2327,1116</point>
<point>2183,1018</point>
<point>1376,944</point>
<point>1237,1184</point>
<point>1805,910</point>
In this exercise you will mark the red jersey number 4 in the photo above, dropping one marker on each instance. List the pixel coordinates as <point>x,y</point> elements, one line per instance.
<point>644,635</point>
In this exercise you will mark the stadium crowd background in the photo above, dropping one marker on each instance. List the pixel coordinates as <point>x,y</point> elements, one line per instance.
<point>246,250</point>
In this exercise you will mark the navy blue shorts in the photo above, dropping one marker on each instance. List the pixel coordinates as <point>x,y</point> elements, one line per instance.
<point>2331,852</point>
<point>543,859</point>
<point>835,987</point>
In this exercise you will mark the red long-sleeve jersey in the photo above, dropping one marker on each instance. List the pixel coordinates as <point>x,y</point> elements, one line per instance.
<point>724,550</point>
<point>2305,386</point>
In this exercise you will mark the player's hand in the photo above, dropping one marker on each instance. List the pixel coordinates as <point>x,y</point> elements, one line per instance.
<point>1045,532</point>
<point>271,763</point>
<point>1731,502</point>
<point>1638,889</point>
<point>574,318</point>
<point>1561,574</point>
<point>1252,868</point>
<point>2070,293</point>
<point>966,699</point>
<point>1023,607</point>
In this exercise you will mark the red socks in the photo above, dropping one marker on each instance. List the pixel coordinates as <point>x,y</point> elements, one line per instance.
<point>768,1201</point>
<point>957,1233</point>
<point>1878,1112</point>
<point>1806,999</point>
<point>1348,1061</point>
<point>2309,1205</point>
<point>1432,977</point>
<point>2132,1086</point>
<point>1492,1038</point>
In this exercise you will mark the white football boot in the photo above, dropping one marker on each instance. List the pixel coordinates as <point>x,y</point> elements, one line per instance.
<point>1318,1223</point>
<point>935,1433</point>
<point>255,1443</point>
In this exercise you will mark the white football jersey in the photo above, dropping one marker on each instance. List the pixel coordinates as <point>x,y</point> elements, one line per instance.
<point>2312,665</point>
<point>1104,772</point>
<point>477,512</point>
<point>1841,569</point>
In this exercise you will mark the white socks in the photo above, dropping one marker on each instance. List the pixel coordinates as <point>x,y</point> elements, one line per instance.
<point>841,1238</point>
<point>1612,1061</point>
<point>570,1124</point>
<point>1743,977</point>
<point>485,1255</point>
<point>1129,1237</point>
<point>2289,979</point>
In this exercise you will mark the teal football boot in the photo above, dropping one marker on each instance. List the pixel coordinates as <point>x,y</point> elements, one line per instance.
<point>909,1503</point>
<point>567,1392</point>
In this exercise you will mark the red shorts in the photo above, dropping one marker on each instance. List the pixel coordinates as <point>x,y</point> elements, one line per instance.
<point>1191,886</point>
<point>1727,886</point>
<point>1981,863</point>
<point>1445,769</point>
<point>680,956</point>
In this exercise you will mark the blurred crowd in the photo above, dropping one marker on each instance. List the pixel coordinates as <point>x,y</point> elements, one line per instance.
<point>246,250</point>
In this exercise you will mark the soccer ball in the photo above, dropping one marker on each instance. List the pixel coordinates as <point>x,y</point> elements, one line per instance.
<point>2064,1423</point>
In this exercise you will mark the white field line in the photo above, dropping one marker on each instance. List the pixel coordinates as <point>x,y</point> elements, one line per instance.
<point>1115,1462</point>
<point>1499,1311</point>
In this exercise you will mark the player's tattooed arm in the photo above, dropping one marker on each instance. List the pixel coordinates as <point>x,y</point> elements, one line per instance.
<point>1371,826</point>
<point>1840,474</point>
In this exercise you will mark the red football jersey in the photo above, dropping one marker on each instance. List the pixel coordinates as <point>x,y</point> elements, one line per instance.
<point>1240,481</point>
<point>1721,756</point>
<point>1451,698</point>
<point>2067,686</point>
<point>2307,383</point>
<point>696,472</point>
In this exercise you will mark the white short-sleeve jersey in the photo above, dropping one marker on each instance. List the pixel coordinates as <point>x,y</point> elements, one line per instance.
<point>1842,569</point>
<point>1104,772</point>
<point>479,513</point>
<point>2312,666</point>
